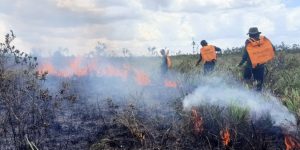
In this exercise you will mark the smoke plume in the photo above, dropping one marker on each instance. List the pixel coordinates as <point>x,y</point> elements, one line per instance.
<point>117,78</point>
<point>140,78</point>
<point>217,92</point>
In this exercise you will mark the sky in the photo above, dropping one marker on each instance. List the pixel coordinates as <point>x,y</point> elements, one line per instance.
<point>76,26</point>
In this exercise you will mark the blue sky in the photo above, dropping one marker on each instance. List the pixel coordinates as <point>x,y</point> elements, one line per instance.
<point>77,25</point>
<point>292,3</point>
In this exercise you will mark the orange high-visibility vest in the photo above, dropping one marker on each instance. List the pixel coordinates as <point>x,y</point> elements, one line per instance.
<point>208,53</point>
<point>169,62</point>
<point>260,51</point>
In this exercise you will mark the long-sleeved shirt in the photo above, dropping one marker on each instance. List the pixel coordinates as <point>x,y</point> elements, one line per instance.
<point>246,58</point>
<point>200,56</point>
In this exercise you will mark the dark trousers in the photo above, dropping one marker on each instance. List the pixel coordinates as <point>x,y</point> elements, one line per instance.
<point>257,73</point>
<point>164,69</point>
<point>208,67</point>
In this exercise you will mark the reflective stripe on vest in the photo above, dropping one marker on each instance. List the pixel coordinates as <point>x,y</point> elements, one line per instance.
<point>260,51</point>
<point>208,53</point>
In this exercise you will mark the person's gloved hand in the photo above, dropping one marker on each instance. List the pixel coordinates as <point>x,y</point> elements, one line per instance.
<point>239,65</point>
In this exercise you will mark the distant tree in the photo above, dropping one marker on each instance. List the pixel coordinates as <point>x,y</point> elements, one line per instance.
<point>100,49</point>
<point>126,52</point>
<point>178,52</point>
<point>151,50</point>
<point>283,47</point>
<point>296,47</point>
<point>193,43</point>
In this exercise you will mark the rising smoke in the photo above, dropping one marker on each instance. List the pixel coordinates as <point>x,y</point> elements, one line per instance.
<point>218,92</point>
<point>123,78</point>
<point>117,78</point>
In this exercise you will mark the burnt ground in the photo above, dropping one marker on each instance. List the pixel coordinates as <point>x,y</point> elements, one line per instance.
<point>112,126</point>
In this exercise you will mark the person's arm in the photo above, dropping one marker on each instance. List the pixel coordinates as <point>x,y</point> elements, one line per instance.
<point>218,49</point>
<point>244,58</point>
<point>245,55</point>
<point>199,60</point>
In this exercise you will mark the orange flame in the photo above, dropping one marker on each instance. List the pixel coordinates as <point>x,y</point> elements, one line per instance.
<point>225,136</point>
<point>170,84</point>
<point>73,68</point>
<point>76,67</point>
<point>291,143</point>
<point>112,71</point>
<point>141,78</point>
<point>198,121</point>
<point>47,67</point>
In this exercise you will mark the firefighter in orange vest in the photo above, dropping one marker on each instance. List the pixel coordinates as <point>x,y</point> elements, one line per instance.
<point>258,51</point>
<point>166,61</point>
<point>208,55</point>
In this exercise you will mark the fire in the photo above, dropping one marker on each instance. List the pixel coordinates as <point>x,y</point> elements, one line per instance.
<point>79,67</point>
<point>198,121</point>
<point>170,84</point>
<point>47,67</point>
<point>73,68</point>
<point>225,136</point>
<point>76,69</point>
<point>291,143</point>
<point>141,78</point>
<point>61,73</point>
<point>112,71</point>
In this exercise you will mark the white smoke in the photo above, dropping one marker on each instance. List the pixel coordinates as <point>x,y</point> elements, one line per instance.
<point>219,91</point>
<point>111,77</point>
<point>215,91</point>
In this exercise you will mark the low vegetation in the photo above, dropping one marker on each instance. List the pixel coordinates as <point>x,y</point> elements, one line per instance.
<point>35,117</point>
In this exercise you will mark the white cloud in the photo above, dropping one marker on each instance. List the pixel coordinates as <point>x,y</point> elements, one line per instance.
<point>147,31</point>
<point>265,24</point>
<point>76,4</point>
<point>3,31</point>
<point>137,24</point>
<point>293,21</point>
<point>3,27</point>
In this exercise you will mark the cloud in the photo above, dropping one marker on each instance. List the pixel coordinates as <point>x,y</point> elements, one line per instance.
<point>76,4</point>
<point>205,6</point>
<point>3,29</point>
<point>137,24</point>
<point>156,4</point>
<point>293,22</point>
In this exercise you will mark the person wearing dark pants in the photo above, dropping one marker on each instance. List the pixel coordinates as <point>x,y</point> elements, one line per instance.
<point>258,75</point>
<point>209,67</point>
<point>208,56</point>
<point>258,51</point>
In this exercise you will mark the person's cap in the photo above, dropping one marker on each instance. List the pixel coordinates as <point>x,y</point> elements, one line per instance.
<point>253,30</point>
<point>203,42</point>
